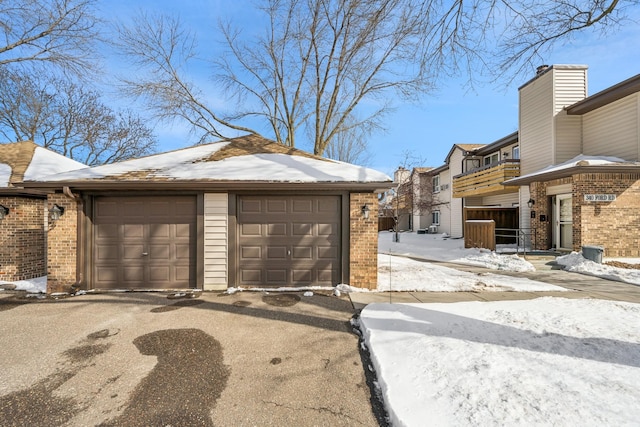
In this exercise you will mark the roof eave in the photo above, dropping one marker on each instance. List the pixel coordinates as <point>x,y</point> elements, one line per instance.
<point>104,185</point>
<point>568,172</point>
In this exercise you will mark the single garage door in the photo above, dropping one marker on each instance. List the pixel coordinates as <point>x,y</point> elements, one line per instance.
<point>289,240</point>
<point>144,242</point>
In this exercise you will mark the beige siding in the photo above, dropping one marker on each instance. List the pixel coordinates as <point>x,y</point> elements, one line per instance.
<point>568,136</point>
<point>547,135</point>
<point>536,124</point>
<point>502,200</point>
<point>442,203</point>
<point>613,130</point>
<point>525,212</point>
<point>215,240</point>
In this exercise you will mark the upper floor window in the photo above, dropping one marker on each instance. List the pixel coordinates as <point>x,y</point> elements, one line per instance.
<point>515,152</point>
<point>491,159</point>
<point>471,164</point>
<point>436,184</point>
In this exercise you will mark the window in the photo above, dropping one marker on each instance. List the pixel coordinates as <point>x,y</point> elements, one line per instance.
<point>436,184</point>
<point>435,218</point>
<point>491,159</point>
<point>471,164</point>
<point>516,152</point>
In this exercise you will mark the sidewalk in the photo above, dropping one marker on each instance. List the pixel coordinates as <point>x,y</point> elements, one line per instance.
<point>579,285</point>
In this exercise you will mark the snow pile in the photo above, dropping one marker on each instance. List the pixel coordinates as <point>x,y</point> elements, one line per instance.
<point>193,164</point>
<point>46,162</point>
<point>37,285</point>
<point>548,361</point>
<point>439,247</point>
<point>5,174</point>
<point>575,262</point>
<point>404,274</point>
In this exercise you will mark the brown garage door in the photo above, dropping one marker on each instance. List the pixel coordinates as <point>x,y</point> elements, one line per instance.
<point>289,240</point>
<point>144,242</point>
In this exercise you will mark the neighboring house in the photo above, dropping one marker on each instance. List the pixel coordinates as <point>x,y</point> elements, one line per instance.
<point>238,212</point>
<point>570,174</point>
<point>23,222</point>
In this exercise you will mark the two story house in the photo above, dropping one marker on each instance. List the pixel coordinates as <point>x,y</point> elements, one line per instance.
<point>570,175</point>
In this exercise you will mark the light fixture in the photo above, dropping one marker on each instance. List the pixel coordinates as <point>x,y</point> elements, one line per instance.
<point>4,211</point>
<point>530,203</point>
<point>365,211</point>
<point>56,212</point>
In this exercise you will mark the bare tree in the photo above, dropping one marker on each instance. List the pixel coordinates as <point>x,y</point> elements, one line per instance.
<point>319,63</point>
<point>69,119</point>
<point>350,144</point>
<point>59,33</point>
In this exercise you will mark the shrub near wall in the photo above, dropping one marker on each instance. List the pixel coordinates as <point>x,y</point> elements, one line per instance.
<point>363,241</point>
<point>616,224</point>
<point>22,239</point>
<point>62,243</point>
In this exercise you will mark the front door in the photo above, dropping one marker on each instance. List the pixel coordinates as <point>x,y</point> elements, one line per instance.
<point>563,222</point>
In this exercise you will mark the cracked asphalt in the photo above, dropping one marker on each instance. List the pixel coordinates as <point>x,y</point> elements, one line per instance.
<point>143,359</point>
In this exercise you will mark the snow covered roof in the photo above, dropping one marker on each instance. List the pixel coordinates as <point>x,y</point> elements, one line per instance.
<point>247,159</point>
<point>28,161</point>
<point>571,166</point>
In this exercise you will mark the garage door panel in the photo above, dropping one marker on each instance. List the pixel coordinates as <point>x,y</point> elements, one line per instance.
<point>300,247</point>
<point>277,252</point>
<point>302,252</point>
<point>159,226</point>
<point>106,252</point>
<point>251,276</point>
<point>132,251</point>
<point>183,230</point>
<point>276,206</point>
<point>250,252</point>
<point>302,229</point>
<point>277,276</point>
<point>302,206</point>
<point>133,274</point>
<point>327,252</point>
<point>276,229</point>
<point>250,230</point>
<point>160,274</point>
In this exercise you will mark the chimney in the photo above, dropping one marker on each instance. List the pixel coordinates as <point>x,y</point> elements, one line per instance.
<point>541,69</point>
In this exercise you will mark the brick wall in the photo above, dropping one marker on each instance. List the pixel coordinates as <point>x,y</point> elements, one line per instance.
<point>22,239</point>
<point>62,245</point>
<point>543,229</point>
<point>363,241</point>
<point>614,225</point>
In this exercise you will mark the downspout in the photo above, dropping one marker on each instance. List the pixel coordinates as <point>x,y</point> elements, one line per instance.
<point>79,236</point>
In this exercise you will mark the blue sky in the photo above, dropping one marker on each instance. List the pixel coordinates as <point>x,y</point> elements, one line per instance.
<point>454,114</point>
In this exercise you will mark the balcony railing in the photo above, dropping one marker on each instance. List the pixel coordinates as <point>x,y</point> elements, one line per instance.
<point>487,181</point>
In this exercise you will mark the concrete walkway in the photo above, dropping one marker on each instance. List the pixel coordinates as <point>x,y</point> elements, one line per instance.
<point>579,285</point>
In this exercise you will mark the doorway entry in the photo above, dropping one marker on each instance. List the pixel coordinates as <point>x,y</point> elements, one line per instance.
<point>563,221</point>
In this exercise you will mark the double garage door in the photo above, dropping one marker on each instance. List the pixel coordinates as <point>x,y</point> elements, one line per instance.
<point>150,242</point>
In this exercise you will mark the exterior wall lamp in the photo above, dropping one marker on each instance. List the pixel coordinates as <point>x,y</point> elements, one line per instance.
<point>365,211</point>
<point>56,212</point>
<point>530,203</point>
<point>4,211</point>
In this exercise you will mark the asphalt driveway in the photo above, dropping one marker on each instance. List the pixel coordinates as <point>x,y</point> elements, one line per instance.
<point>248,359</point>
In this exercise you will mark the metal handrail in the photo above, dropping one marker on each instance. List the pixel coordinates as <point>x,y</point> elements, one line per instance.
<point>520,235</point>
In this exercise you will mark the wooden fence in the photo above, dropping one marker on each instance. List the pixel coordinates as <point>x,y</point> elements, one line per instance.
<point>503,218</point>
<point>480,233</point>
<point>386,223</point>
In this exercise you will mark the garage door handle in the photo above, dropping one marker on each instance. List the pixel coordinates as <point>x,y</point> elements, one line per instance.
<point>145,253</point>
<point>288,252</point>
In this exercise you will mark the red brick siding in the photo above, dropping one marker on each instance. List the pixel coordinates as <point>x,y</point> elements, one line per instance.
<point>363,241</point>
<point>22,239</point>
<point>614,225</point>
<point>62,241</point>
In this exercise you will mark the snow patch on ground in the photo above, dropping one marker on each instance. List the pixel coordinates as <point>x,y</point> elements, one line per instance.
<point>548,361</point>
<point>575,262</point>
<point>404,274</point>
<point>37,285</point>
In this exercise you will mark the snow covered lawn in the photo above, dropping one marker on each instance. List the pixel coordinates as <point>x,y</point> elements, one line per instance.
<point>403,274</point>
<point>548,361</point>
